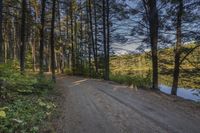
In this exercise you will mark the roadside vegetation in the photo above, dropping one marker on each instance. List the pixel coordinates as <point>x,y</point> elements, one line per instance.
<point>25,102</point>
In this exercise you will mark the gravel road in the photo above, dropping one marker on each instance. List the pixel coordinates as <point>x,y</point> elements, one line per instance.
<point>97,106</point>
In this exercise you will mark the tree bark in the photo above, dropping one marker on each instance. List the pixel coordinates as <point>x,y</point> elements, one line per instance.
<point>22,46</point>
<point>1,31</point>
<point>96,32</point>
<point>108,40</point>
<point>153,25</point>
<point>104,37</point>
<point>34,54</point>
<point>177,49</point>
<point>72,39</point>
<point>89,42</point>
<point>42,36</point>
<point>91,34</point>
<point>81,40</point>
<point>53,41</point>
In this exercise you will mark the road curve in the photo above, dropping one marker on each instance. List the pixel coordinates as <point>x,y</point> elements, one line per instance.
<point>96,106</point>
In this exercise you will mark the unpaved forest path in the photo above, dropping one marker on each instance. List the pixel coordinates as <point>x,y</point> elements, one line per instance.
<point>96,106</point>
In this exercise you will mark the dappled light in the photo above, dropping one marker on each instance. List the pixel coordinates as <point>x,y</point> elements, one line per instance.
<point>99,66</point>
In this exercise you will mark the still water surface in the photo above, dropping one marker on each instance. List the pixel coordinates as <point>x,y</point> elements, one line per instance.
<point>186,93</point>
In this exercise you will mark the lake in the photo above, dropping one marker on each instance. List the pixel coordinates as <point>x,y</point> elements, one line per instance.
<point>186,93</point>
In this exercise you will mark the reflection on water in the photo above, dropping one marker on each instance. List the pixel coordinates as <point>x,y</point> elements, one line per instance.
<point>191,94</point>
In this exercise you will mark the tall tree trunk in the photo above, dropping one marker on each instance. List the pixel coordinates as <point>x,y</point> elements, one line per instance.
<point>89,40</point>
<point>108,40</point>
<point>34,54</point>
<point>53,41</point>
<point>67,41</point>
<point>153,24</point>
<point>63,50</point>
<point>15,42</point>
<point>22,46</point>
<point>42,36</point>
<point>5,48</point>
<point>177,48</point>
<point>91,34</point>
<point>96,32</point>
<point>105,40</point>
<point>76,46</point>
<point>81,41</point>
<point>1,31</point>
<point>72,38</point>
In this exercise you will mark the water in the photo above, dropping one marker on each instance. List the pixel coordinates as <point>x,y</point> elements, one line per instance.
<point>186,93</point>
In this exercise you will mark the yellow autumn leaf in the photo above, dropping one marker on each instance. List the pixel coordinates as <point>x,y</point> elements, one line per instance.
<point>2,114</point>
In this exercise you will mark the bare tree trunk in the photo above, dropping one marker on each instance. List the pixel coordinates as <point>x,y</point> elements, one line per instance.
<point>153,24</point>
<point>96,32</point>
<point>42,36</point>
<point>34,54</point>
<point>89,42</point>
<point>67,41</point>
<point>15,42</point>
<point>72,38</point>
<point>22,46</point>
<point>1,31</point>
<point>177,49</point>
<point>108,40</point>
<point>91,34</point>
<point>5,48</point>
<point>76,46</point>
<point>53,41</point>
<point>81,38</point>
<point>105,39</point>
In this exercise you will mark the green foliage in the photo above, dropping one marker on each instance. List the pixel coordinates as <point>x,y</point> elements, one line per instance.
<point>139,65</point>
<point>24,103</point>
<point>26,83</point>
<point>68,71</point>
<point>134,80</point>
<point>25,115</point>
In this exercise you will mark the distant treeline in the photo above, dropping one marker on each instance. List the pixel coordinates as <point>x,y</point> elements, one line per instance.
<point>140,64</point>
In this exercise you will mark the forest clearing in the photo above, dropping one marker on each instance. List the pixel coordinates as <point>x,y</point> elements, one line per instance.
<point>99,66</point>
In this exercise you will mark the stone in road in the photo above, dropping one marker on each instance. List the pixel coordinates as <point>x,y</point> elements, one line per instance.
<point>96,106</point>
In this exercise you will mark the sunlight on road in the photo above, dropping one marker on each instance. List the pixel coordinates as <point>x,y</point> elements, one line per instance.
<point>78,82</point>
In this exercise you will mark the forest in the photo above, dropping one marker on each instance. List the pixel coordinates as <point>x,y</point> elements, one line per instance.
<point>52,52</point>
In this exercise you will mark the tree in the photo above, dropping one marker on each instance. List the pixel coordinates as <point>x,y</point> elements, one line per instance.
<point>152,14</point>
<point>177,48</point>
<point>53,41</point>
<point>23,31</point>
<point>106,38</point>
<point>72,38</point>
<point>91,34</point>
<point>1,31</point>
<point>43,3</point>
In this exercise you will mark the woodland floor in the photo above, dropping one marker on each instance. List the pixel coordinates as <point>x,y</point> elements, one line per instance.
<point>97,106</point>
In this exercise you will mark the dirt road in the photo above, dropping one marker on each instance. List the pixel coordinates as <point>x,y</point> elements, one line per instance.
<point>95,106</point>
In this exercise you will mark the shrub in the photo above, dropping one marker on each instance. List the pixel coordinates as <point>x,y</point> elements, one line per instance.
<point>23,102</point>
<point>136,80</point>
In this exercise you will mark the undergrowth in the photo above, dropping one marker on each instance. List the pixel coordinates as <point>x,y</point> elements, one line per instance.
<point>135,80</point>
<point>24,100</point>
